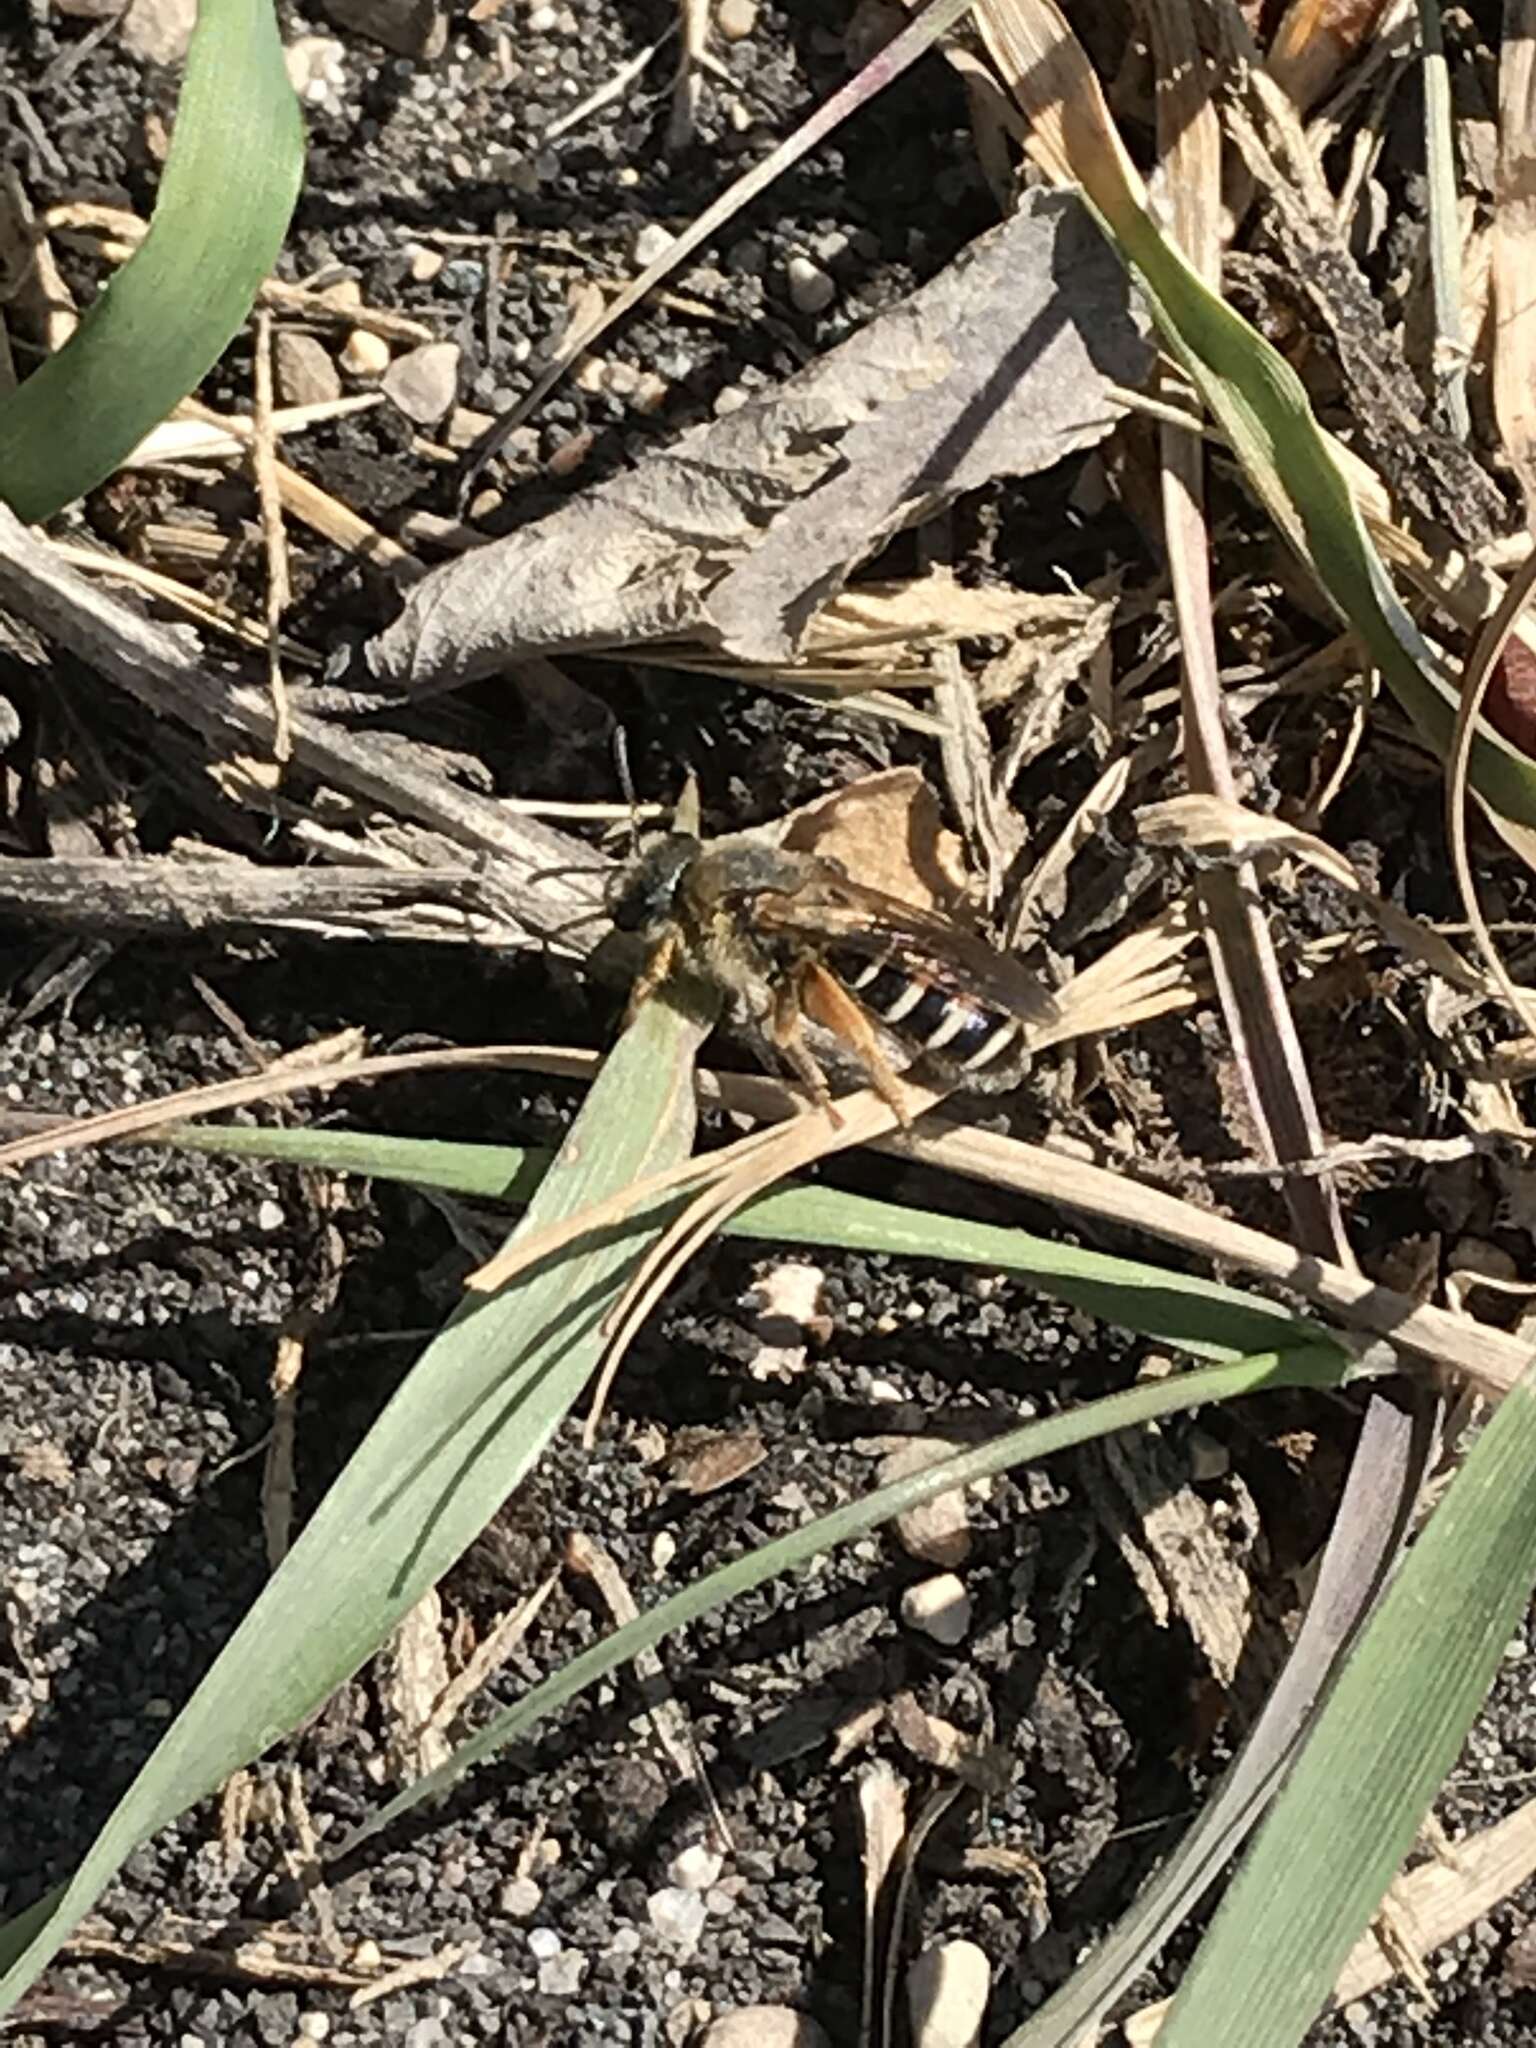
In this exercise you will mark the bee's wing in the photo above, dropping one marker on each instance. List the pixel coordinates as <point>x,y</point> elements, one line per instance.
<point>827,909</point>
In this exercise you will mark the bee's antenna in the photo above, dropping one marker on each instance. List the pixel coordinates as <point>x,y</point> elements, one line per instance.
<point>627,786</point>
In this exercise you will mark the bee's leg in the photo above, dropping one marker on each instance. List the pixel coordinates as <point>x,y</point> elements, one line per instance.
<point>785,1027</point>
<point>659,963</point>
<point>823,997</point>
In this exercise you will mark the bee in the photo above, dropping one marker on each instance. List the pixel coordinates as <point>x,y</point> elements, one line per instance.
<point>795,936</point>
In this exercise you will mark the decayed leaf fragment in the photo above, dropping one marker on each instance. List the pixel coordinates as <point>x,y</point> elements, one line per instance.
<point>735,534</point>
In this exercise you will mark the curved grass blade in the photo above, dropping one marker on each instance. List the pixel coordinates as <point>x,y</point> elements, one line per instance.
<point>475,1412</point>
<point>1256,397</point>
<point>230,183</point>
<point>1380,1750</point>
<point>1200,1316</point>
<point>1318,1367</point>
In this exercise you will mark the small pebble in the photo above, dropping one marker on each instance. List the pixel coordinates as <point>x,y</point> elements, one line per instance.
<point>696,1867</point>
<point>677,1916</point>
<point>316,68</point>
<point>940,1607</point>
<point>425,263</point>
<point>938,1531</point>
<point>519,1897</point>
<point>302,369</point>
<point>544,1943</point>
<point>728,399</point>
<point>314,2026</point>
<point>364,354</point>
<point>810,288</point>
<point>764,2026</point>
<point>269,1216</point>
<point>947,1990</point>
<point>736,19</point>
<point>652,242</point>
<point>561,1976</point>
<point>424,383</point>
<point>542,20</point>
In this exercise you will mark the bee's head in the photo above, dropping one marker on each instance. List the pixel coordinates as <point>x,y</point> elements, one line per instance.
<point>645,892</point>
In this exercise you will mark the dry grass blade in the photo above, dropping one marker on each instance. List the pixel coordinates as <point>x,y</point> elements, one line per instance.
<point>1208,825</point>
<point>815,1135</point>
<point>903,50</point>
<point>1490,644</point>
<point>134,1120</point>
<point>1488,1358</point>
<point>1514,248</point>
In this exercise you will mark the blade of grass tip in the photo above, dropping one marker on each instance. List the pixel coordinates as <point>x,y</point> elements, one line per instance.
<point>1040,1439</point>
<point>903,50</point>
<point>1199,1316</point>
<point>1365,1540</point>
<point>474,1413</point>
<point>230,183</point>
<point>1387,1735</point>
<point>1256,397</point>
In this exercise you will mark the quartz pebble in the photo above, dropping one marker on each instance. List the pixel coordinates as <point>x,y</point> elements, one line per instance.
<point>677,1916</point>
<point>764,2026</point>
<point>736,19</point>
<point>940,1607</point>
<point>810,288</point>
<point>695,1868</point>
<point>652,242</point>
<point>947,1989</point>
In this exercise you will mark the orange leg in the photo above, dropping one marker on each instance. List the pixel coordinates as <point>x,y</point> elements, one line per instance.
<point>785,1023</point>
<point>659,963</point>
<point>824,998</point>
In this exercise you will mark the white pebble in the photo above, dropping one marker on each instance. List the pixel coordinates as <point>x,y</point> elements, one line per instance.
<point>940,1607</point>
<point>519,1897</point>
<point>543,1942</point>
<point>542,20</point>
<point>764,2026</point>
<point>652,243</point>
<point>810,288</point>
<point>677,1916</point>
<point>947,1989</point>
<point>696,1867</point>
<point>314,2026</point>
<point>736,19</point>
<point>269,1216</point>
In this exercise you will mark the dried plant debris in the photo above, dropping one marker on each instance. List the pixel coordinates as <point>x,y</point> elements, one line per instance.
<point>1001,366</point>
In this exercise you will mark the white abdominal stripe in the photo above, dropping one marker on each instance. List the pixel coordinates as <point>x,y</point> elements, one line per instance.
<point>971,1035</point>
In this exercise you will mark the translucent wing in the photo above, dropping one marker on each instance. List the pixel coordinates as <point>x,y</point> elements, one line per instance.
<point>827,909</point>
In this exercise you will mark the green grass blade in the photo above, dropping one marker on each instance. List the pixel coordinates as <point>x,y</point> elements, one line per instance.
<point>1094,1419</point>
<point>474,1413</point>
<point>1200,1316</point>
<point>230,183</point>
<point>1263,409</point>
<point>1381,1748</point>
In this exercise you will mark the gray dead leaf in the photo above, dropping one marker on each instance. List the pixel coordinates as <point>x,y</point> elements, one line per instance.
<point>737,532</point>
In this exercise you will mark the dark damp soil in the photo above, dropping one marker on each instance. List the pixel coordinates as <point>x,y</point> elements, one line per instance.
<point>142,1291</point>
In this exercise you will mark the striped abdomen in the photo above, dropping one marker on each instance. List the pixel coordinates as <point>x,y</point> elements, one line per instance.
<point>964,1032</point>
